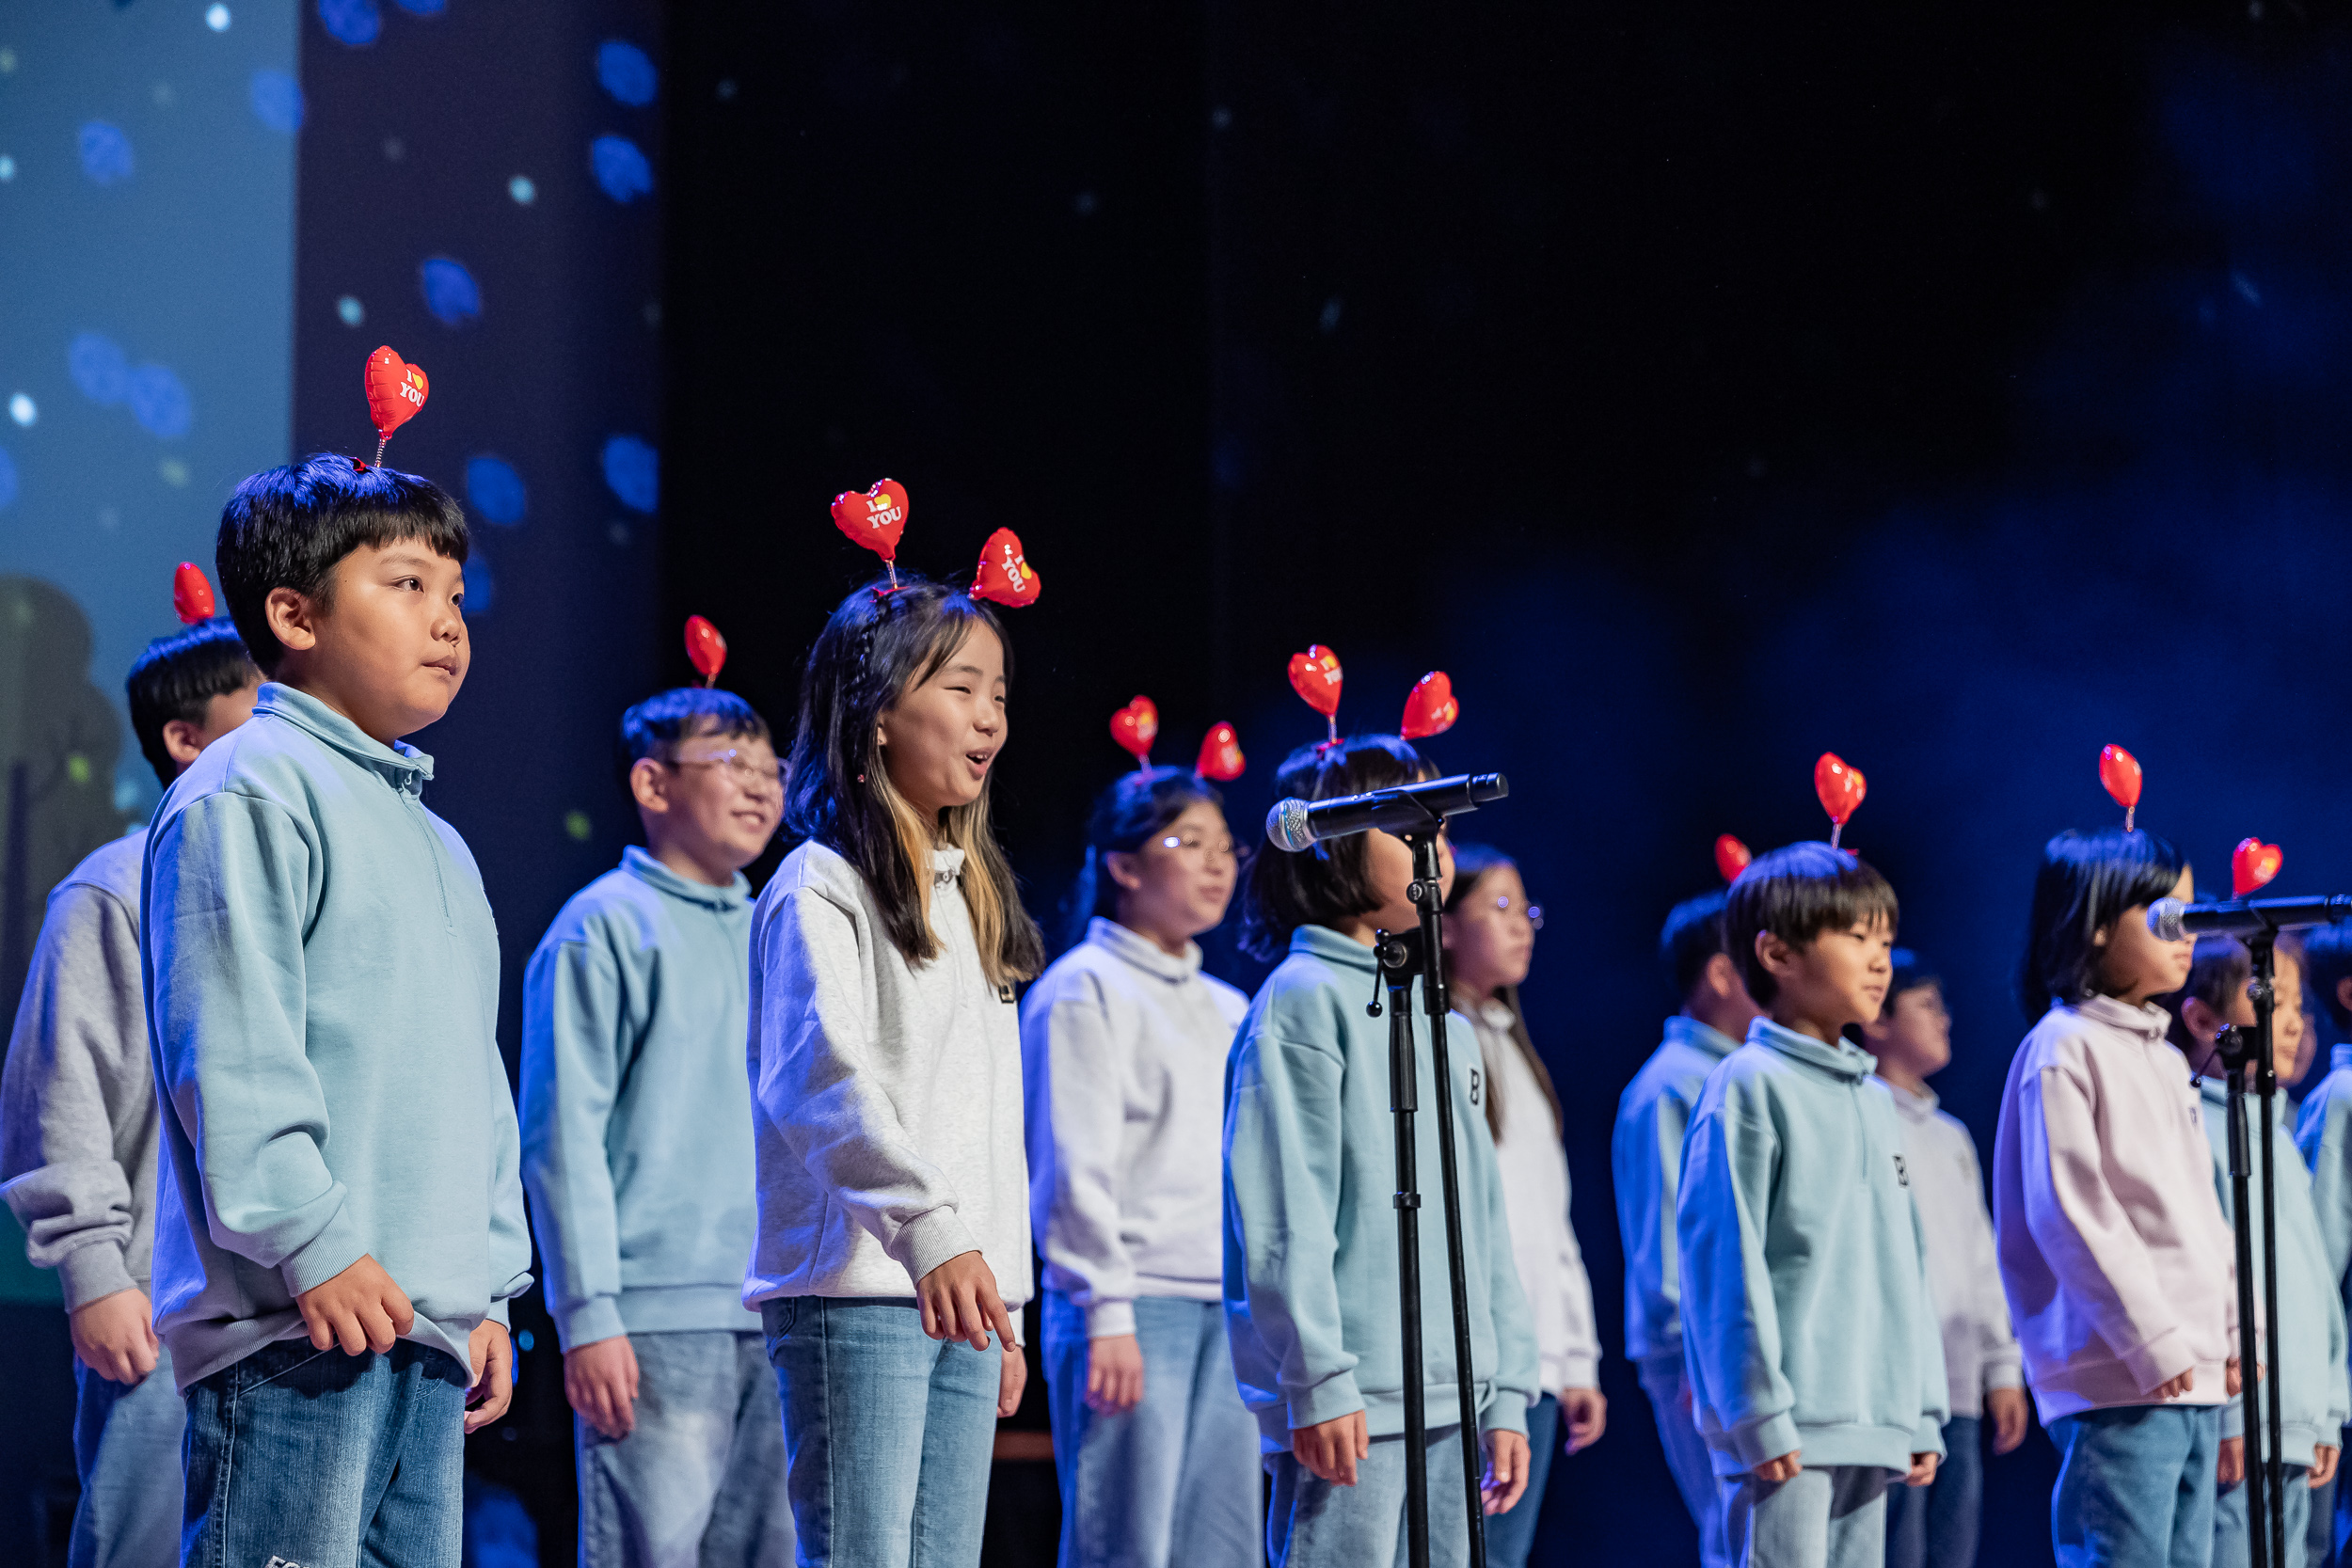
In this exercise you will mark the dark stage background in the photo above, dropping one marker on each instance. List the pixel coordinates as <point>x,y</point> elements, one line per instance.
<point>1958,388</point>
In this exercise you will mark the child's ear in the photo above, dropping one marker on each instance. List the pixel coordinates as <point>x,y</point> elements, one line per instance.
<point>1776,956</point>
<point>2099,937</point>
<point>292,619</point>
<point>650,786</point>
<point>2344,992</point>
<point>1121,867</point>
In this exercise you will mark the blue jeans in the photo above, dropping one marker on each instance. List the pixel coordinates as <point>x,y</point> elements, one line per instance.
<point>327,1460</point>
<point>1829,1516</point>
<point>1936,1525</point>
<point>699,1483</point>
<point>1188,1450</point>
<point>2134,1486</point>
<point>890,1432</point>
<point>1511,1536</point>
<point>1315,1524</point>
<point>126,1451</point>
<point>1687,1456</point>
<point>2230,1543</point>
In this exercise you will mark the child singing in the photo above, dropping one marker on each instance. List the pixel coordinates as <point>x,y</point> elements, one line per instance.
<point>1123,1046</point>
<point>893,1251</point>
<point>1489,943</point>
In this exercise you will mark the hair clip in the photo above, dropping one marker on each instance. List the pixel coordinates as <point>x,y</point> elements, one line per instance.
<point>1134,727</point>
<point>1220,754</point>
<point>875,518</point>
<point>1003,573</point>
<point>2119,771</point>
<point>396,390</point>
<point>1731,857</point>
<point>1840,788</point>
<point>1429,707</point>
<point>705,648</point>
<point>1315,676</point>
<point>191,596</point>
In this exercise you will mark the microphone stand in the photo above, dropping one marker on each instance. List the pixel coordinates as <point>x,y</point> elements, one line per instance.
<point>2247,1053</point>
<point>1401,958</point>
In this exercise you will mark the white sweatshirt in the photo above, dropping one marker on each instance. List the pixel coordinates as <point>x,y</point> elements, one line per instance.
<point>1534,1170</point>
<point>1964,1270</point>
<point>2120,1269</point>
<point>1122,1049</point>
<point>885,1099</point>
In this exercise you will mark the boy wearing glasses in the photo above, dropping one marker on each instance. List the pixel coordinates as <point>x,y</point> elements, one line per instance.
<point>637,1154</point>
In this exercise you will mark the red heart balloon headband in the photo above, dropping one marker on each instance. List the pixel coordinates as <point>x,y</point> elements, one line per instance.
<point>705,648</point>
<point>191,596</point>
<point>1315,676</point>
<point>1840,788</point>
<point>2252,866</point>
<point>1731,857</point>
<point>1137,724</point>
<point>396,390</point>
<point>2119,771</point>
<point>876,518</point>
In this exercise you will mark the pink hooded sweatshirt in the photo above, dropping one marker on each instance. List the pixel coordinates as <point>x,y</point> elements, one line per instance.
<point>2118,1263</point>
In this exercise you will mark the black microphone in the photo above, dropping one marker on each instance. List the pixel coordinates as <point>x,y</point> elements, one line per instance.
<point>2171,920</point>
<point>1296,824</point>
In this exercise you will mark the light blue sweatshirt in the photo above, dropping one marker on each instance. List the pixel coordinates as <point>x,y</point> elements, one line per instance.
<point>1806,1320</point>
<point>2324,1133</point>
<point>321,992</point>
<point>2305,1352</point>
<point>1645,1160</point>
<point>1310,1276</point>
<point>637,1108</point>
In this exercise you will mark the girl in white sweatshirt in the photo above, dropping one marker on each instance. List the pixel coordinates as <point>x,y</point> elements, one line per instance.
<point>1123,1043</point>
<point>893,1254</point>
<point>2118,1265</point>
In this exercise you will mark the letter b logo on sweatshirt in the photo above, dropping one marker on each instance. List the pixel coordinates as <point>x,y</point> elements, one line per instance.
<point>1902,1173</point>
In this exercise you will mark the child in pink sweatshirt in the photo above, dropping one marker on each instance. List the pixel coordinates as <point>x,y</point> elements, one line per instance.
<point>2118,1265</point>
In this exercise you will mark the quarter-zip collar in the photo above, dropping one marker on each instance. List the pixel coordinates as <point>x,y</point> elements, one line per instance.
<point>2148,1021</point>
<point>640,863</point>
<point>401,765</point>
<point>1142,952</point>
<point>1840,1060</point>
<point>1682,1029</point>
<point>1321,942</point>
<point>2340,1056</point>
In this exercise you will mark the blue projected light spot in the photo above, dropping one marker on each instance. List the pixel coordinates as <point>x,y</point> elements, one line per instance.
<point>96,364</point>
<point>621,169</point>
<point>496,490</point>
<point>482,590</point>
<point>159,401</point>
<point>627,72</point>
<point>277,100</point>
<point>105,152</point>
<point>351,22</point>
<point>632,471</point>
<point>423,7</point>
<point>8,479</point>
<point>450,290</point>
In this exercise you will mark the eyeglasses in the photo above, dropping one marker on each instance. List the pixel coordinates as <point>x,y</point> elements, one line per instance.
<point>1535,912</point>
<point>749,771</point>
<point>1199,847</point>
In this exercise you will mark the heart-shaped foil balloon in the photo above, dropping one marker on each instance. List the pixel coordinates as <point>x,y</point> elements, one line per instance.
<point>875,518</point>
<point>1429,707</point>
<point>2252,864</point>
<point>1220,753</point>
<point>1731,857</point>
<point>1005,574</point>
<point>2119,771</point>
<point>705,648</point>
<point>191,596</point>
<point>1840,789</point>
<point>1315,676</point>
<point>1134,727</point>
<point>396,390</point>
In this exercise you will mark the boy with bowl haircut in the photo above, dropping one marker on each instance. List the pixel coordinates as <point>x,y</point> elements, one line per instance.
<point>78,1125</point>
<point>339,1216</point>
<point>1815,1365</point>
<point>1645,1160</point>
<point>638,1155</point>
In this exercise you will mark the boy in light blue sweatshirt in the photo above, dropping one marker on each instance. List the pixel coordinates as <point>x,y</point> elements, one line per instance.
<point>339,1216</point>
<point>1646,1159</point>
<point>2323,1131</point>
<point>1815,1357</point>
<point>637,1154</point>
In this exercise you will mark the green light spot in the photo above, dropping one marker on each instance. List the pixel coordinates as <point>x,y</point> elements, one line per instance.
<point>576,823</point>
<point>78,767</point>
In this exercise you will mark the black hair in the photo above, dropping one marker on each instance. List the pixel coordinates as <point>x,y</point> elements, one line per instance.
<point>1135,805</point>
<point>880,644</point>
<point>1331,881</point>
<point>1693,934</point>
<point>2086,883</point>
<point>287,527</point>
<point>2219,969</point>
<point>177,676</point>
<point>2326,962</point>
<point>1796,893</point>
<point>655,725</point>
<point>1911,971</point>
<point>1472,861</point>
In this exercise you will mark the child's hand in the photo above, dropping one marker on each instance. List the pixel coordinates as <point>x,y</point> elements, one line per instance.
<point>1011,1380</point>
<point>493,1389</point>
<point>1507,1470</point>
<point>960,1301</point>
<point>600,1383</point>
<point>2173,1387</point>
<point>1586,1411</point>
<point>2230,1468</point>
<point>1114,1374</point>
<point>1330,1448</point>
<point>1922,1470</point>
<point>360,1309</point>
<point>2006,1406</point>
<point>2323,1466</point>
<point>115,1336</point>
<point>1784,1468</point>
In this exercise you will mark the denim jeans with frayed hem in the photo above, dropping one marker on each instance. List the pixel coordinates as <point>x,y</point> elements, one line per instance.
<point>699,1480</point>
<point>326,1460</point>
<point>126,1451</point>
<point>1936,1525</point>
<point>1183,1463</point>
<point>1316,1524</point>
<point>2136,1486</point>
<point>890,1432</point>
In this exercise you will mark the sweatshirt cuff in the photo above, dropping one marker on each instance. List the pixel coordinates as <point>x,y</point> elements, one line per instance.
<point>1107,1318</point>
<point>930,1240</point>
<point>1506,1411</point>
<point>1326,1401</point>
<point>334,1248</point>
<point>1929,1438</point>
<point>2160,1361</point>
<point>1579,1372</point>
<point>2004,1374</point>
<point>1765,1441</point>
<point>88,1273</point>
<point>498,1314</point>
<point>597,1318</point>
